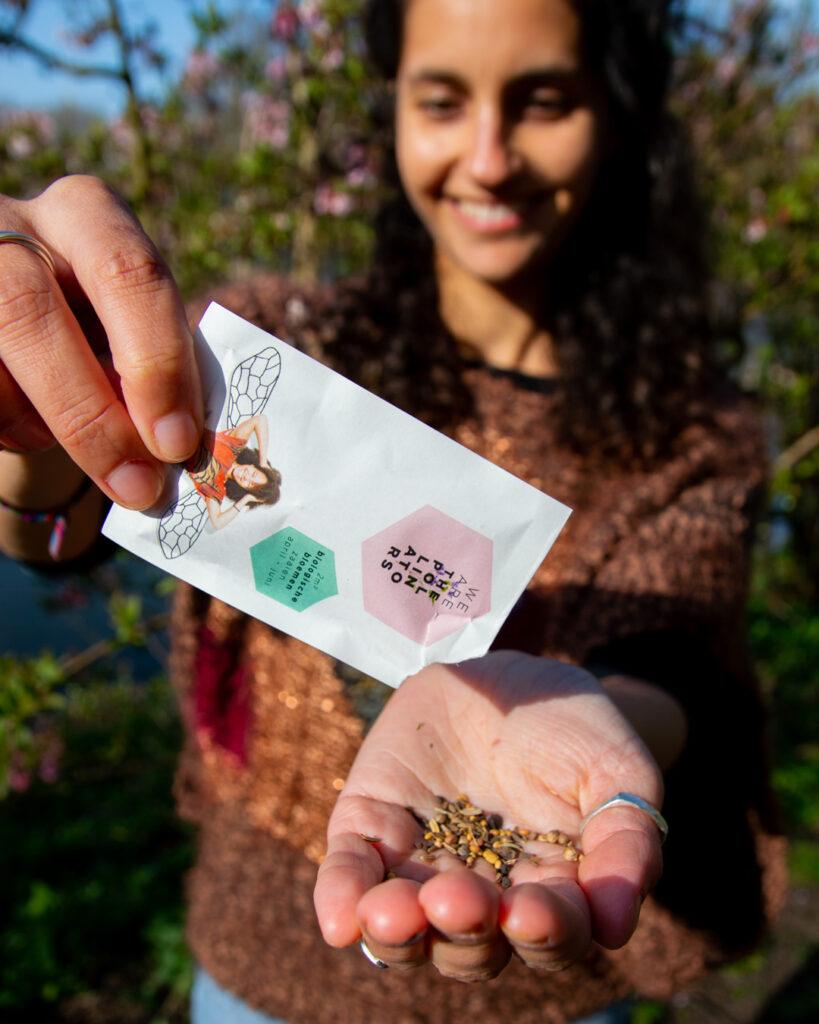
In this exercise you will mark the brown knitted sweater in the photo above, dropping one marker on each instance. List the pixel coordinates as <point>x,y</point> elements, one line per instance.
<point>649,578</point>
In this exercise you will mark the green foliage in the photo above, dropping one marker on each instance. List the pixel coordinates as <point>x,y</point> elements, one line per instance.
<point>649,1012</point>
<point>90,866</point>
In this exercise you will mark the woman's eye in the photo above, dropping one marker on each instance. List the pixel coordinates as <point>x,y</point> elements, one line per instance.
<point>549,105</point>
<point>439,106</point>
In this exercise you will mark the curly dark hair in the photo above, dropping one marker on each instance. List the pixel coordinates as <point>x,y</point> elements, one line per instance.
<point>629,312</point>
<point>267,493</point>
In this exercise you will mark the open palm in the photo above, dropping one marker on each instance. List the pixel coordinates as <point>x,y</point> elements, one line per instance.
<point>533,740</point>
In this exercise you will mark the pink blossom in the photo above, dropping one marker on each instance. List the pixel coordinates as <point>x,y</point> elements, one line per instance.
<point>312,18</point>
<point>285,23</point>
<point>809,45</point>
<point>267,121</point>
<point>20,145</point>
<point>36,122</point>
<point>19,777</point>
<point>332,59</point>
<point>121,133</point>
<point>360,177</point>
<point>726,69</point>
<point>755,230</point>
<point>276,68</point>
<point>329,200</point>
<point>200,68</point>
<point>50,754</point>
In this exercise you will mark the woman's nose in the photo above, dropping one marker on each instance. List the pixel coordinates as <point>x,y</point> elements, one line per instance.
<point>491,159</point>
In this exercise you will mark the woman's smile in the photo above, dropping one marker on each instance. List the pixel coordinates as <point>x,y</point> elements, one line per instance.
<point>488,217</point>
<point>247,476</point>
<point>499,139</point>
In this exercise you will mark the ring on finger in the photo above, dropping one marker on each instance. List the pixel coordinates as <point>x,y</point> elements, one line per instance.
<point>33,244</point>
<point>368,953</point>
<point>629,800</point>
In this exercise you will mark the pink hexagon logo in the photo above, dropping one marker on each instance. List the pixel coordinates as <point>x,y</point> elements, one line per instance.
<point>427,575</point>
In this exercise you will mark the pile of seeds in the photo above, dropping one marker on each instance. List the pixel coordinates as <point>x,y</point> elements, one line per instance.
<point>468,832</point>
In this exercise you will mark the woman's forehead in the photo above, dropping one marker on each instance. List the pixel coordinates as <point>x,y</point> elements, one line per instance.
<point>511,36</point>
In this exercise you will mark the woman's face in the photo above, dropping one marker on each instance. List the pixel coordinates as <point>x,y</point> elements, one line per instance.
<point>498,129</point>
<point>248,476</point>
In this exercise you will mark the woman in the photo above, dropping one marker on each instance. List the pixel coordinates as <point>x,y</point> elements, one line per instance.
<point>225,467</point>
<point>537,291</point>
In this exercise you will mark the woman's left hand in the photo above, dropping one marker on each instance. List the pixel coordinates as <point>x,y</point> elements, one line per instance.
<point>533,740</point>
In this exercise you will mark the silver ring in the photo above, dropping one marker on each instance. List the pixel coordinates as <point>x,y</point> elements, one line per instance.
<point>630,800</point>
<point>32,243</point>
<point>365,949</point>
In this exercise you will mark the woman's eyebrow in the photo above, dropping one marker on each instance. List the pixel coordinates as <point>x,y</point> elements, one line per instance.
<point>434,76</point>
<point>548,74</point>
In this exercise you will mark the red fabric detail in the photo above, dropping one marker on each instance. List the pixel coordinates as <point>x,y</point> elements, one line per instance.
<point>223,448</point>
<point>221,695</point>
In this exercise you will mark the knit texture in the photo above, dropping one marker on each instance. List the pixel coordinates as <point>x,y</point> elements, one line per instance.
<point>649,577</point>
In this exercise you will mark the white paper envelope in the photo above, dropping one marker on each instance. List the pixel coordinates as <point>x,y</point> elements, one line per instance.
<point>364,533</point>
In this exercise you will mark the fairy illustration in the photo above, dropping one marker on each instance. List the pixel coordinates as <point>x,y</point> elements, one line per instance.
<point>228,474</point>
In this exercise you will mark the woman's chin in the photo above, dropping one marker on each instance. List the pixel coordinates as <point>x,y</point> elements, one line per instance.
<point>498,267</point>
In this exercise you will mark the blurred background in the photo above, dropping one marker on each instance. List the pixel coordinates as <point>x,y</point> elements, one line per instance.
<point>240,133</point>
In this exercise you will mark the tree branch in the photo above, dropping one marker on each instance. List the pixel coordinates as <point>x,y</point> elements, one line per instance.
<point>54,62</point>
<point>797,451</point>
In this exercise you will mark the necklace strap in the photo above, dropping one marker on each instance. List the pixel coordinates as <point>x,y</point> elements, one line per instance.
<point>57,515</point>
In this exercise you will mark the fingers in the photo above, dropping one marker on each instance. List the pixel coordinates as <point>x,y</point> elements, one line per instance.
<point>462,907</point>
<point>622,863</point>
<point>393,923</point>
<point>44,351</point>
<point>350,869</point>
<point>547,923</point>
<point>103,255</point>
<point>134,296</point>
<point>21,428</point>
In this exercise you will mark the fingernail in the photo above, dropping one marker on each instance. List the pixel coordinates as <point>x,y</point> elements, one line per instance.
<point>135,484</point>
<point>176,435</point>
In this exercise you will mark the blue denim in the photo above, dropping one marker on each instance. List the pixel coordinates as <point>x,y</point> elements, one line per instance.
<point>211,1004</point>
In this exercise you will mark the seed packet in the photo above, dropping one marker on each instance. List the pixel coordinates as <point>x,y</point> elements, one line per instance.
<point>328,513</point>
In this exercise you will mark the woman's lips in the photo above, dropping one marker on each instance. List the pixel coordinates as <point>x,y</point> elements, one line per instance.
<point>487,218</point>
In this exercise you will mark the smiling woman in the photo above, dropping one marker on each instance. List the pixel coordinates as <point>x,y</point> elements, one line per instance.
<point>225,467</point>
<point>537,291</point>
<point>498,145</point>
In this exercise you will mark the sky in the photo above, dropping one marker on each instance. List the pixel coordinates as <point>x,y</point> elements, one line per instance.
<point>24,83</point>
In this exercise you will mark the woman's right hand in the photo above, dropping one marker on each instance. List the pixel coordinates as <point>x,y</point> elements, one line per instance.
<point>101,358</point>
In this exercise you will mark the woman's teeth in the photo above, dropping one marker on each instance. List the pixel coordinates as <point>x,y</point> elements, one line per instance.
<point>486,213</point>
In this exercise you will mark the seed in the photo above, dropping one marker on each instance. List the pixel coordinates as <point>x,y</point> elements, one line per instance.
<point>461,828</point>
<point>505,882</point>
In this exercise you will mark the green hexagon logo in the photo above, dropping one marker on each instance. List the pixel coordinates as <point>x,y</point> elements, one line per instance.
<point>293,569</point>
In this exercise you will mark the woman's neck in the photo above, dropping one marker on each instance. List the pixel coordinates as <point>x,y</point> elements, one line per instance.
<point>499,323</point>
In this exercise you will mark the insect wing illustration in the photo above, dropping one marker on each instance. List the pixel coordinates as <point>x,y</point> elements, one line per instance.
<point>251,385</point>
